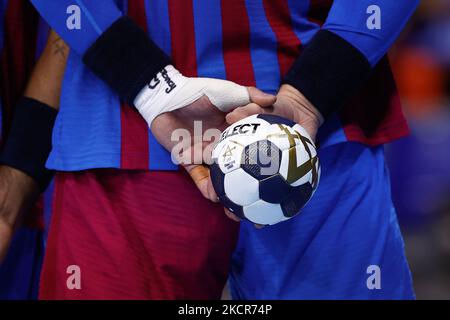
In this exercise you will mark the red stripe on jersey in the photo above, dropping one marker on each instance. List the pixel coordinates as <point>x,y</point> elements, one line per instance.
<point>236,42</point>
<point>184,56</point>
<point>134,129</point>
<point>18,55</point>
<point>288,44</point>
<point>134,143</point>
<point>374,116</point>
<point>136,10</point>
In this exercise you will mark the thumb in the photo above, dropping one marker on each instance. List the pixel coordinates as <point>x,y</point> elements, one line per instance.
<point>226,95</point>
<point>201,177</point>
<point>243,112</point>
<point>261,98</point>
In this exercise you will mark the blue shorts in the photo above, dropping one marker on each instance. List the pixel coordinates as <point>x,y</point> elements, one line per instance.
<point>20,271</point>
<point>346,244</point>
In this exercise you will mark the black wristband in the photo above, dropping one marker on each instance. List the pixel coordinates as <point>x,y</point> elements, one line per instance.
<point>29,141</point>
<point>328,72</point>
<point>125,58</point>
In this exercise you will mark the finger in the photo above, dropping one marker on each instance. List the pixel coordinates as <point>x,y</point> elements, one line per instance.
<point>243,112</point>
<point>261,98</point>
<point>188,154</point>
<point>198,172</point>
<point>200,175</point>
<point>231,215</point>
<point>227,95</point>
<point>259,226</point>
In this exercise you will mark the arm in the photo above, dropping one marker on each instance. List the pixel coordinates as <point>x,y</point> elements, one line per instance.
<point>46,79</point>
<point>22,161</point>
<point>341,55</point>
<point>336,61</point>
<point>123,56</point>
<point>376,26</point>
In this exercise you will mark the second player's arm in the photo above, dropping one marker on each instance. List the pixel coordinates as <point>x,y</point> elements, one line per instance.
<point>22,163</point>
<point>337,61</point>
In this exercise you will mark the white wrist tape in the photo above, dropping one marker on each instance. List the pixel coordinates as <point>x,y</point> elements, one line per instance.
<point>170,90</point>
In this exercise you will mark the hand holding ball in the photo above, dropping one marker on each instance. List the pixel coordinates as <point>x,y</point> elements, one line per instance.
<point>265,169</point>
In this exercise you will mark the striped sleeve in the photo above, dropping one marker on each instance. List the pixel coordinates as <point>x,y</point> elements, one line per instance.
<point>371,26</point>
<point>78,22</point>
<point>115,48</point>
<point>341,56</point>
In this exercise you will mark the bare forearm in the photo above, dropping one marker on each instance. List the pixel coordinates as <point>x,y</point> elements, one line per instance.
<point>20,180</point>
<point>46,80</point>
<point>17,191</point>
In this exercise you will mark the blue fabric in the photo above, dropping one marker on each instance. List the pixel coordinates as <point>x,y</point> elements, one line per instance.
<point>158,24</point>
<point>95,17</point>
<point>323,253</point>
<point>88,130</point>
<point>303,28</point>
<point>159,31</point>
<point>3,5</point>
<point>20,271</point>
<point>348,19</point>
<point>208,47</point>
<point>48,208</point>
<point>263,48</point>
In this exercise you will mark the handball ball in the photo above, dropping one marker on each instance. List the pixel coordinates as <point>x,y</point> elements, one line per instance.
<point>265,168</point>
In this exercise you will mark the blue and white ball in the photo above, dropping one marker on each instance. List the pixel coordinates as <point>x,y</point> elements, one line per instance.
<point>265,169</point>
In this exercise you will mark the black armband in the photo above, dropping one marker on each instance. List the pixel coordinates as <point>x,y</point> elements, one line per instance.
<point>29,141</point>
<point>328,72</point>
<point>125,58</point>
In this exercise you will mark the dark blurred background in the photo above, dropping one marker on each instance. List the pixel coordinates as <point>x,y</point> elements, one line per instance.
<point>420,163</point>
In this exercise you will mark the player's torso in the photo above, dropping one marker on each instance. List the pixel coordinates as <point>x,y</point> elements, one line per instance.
<point>251,42</point>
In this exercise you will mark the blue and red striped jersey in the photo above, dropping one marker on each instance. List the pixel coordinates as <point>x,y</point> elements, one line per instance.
<point>251,42</point>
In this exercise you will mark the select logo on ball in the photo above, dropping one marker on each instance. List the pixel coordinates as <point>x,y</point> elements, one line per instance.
<point>245,128</point>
